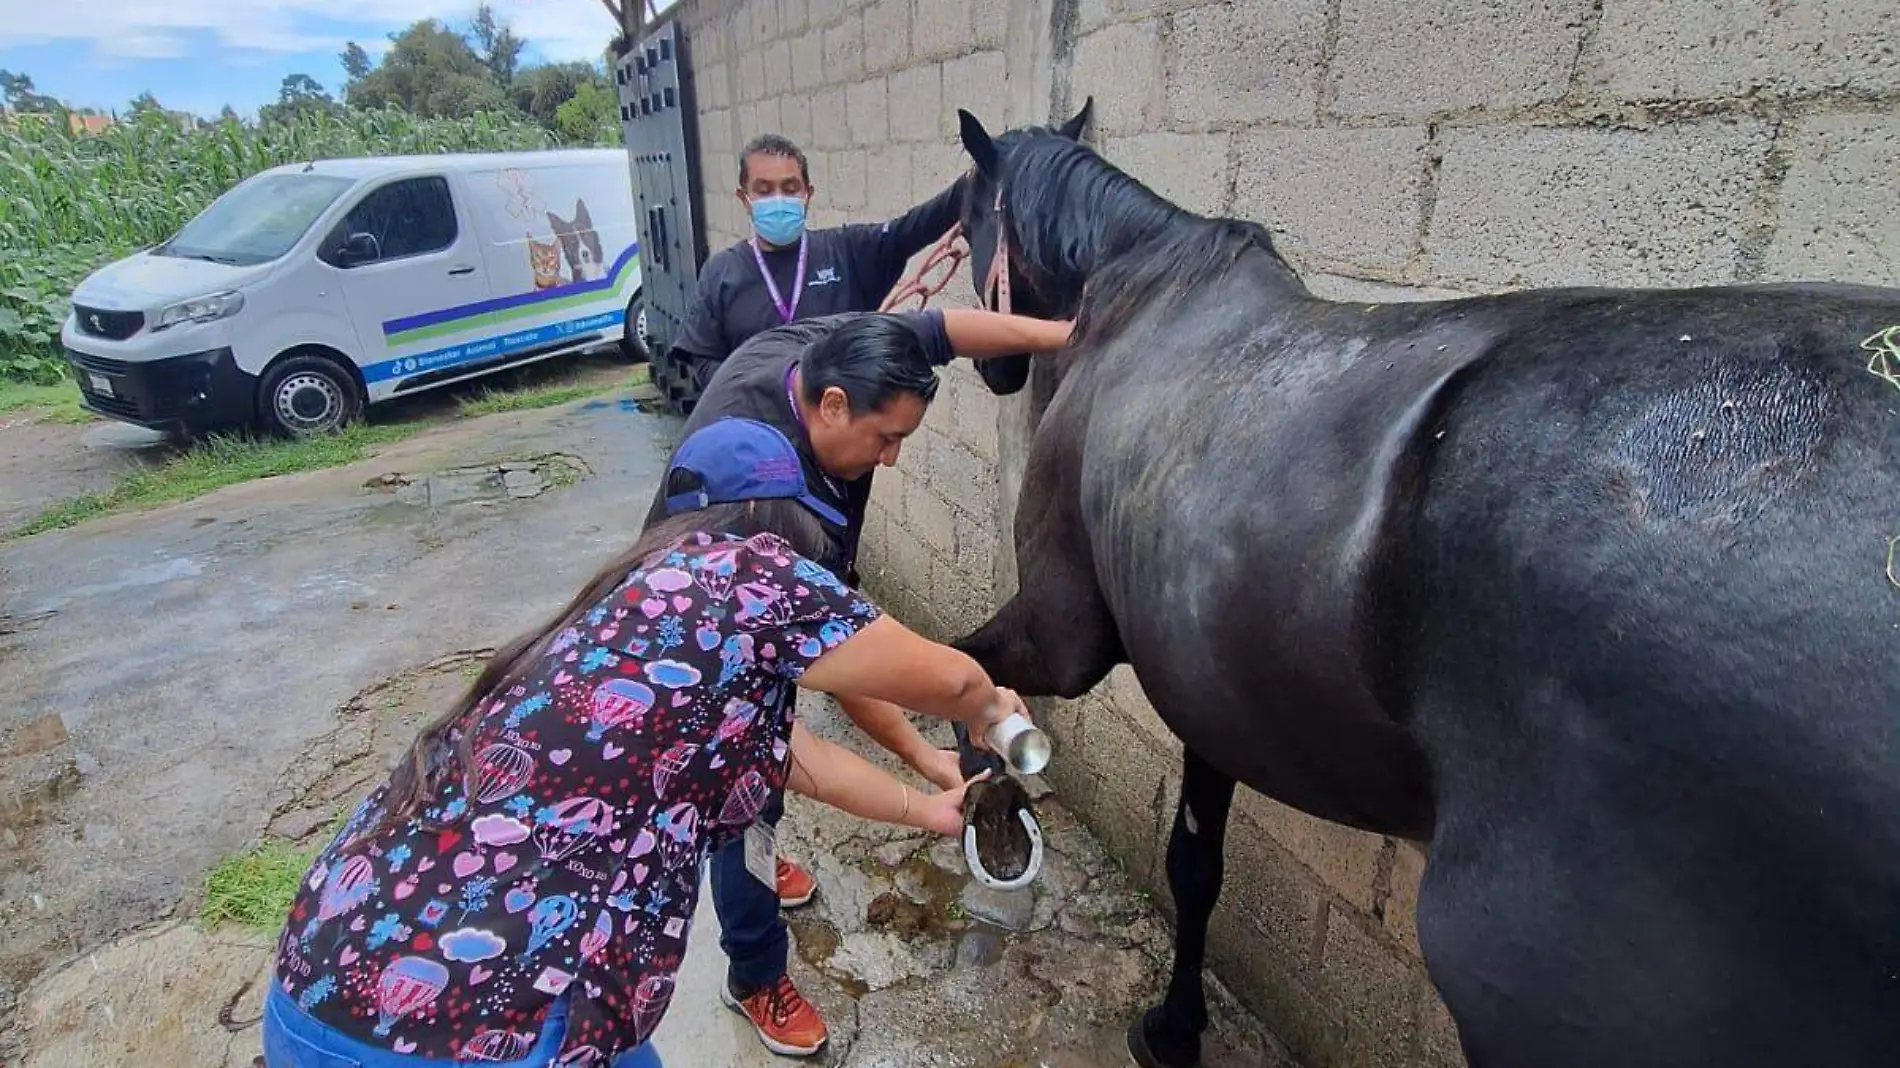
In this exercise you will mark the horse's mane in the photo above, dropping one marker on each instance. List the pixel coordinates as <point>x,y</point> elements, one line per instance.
<point>1094,228</point>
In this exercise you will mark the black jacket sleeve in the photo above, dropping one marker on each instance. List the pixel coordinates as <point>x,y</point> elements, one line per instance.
<point>880,250</point>
<point>705,333</point>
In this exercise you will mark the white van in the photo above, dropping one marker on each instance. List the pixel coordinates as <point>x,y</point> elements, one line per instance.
<point>309,291</point>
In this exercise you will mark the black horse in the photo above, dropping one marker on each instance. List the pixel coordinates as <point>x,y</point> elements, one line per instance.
<point>1592,589</point>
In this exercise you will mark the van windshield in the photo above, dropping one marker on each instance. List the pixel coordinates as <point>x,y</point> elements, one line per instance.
<point>258,220</point>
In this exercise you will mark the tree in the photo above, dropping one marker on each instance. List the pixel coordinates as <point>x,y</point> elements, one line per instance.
<point>540,91</point>
<point>229,114</point>
<point>590,117</point>
<point>18,93</point>
<point>429,70</point>
<point>356,62</point>
<point>496,44</point>
<point>298,96</point>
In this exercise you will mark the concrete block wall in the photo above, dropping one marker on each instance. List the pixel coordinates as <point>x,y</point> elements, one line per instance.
<point>1399,150</point>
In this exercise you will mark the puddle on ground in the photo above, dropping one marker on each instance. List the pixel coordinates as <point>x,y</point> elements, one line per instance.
<point>817,941</point>
<point>503,480</point>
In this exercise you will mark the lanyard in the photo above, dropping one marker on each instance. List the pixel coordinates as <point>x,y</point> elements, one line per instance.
<point>798,414</point>
<point>785,311</point>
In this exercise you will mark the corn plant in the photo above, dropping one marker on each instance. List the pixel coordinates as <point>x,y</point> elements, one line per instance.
<point>72,202</point>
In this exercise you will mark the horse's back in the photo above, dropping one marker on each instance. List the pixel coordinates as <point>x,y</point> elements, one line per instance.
<point>1651,661</point>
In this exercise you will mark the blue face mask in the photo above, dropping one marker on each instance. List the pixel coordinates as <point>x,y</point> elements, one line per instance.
<point>778,220</point>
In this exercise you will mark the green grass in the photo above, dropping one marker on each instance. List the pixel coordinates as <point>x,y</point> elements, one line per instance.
<point>549,395</point>
<point>52,404</point>
<point>214,464</point>
<point>254,889</point>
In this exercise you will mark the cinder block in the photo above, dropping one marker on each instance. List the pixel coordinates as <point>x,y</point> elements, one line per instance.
<point>1345,196</point>
<point>829,130</point>
<point>792,16</point>
<point>974,83</point>
<point>989,22</point>
<point>976,554</point>
<point>940,30</point>
<point>764,16</point>
<point>933,167</point>
<point>714,85</point>
<point>795,118</point>
<point>1345,860</point>
<point>1120,66</point>
<point>886,34</point>
<point>1092,15</point>
<point>1690,49</point>
<point>778,68</point>
<point>1668,206</point>
<point>1838,219</point>
<point>1262,936</point>
<point>889,192</point>
<point>1189,169</point>
<point>744,31</point>
<point>1248,61</point>
<point>844,49</point>
<point>1414,60</point>
<point>1401,903</point>
<point>808,61</point>
<point>751,84</point>
<point>927,513</point>
<point>1373,989</point>
<point>867,110</point>
<point>953,464</point>
<point>916,103</point>
<point>825,12</point>
<point>1125,815</point>
<point>848,184</point>
<point>766,118</point>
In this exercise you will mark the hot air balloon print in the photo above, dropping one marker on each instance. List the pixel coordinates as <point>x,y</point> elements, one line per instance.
<point>761,605</point>
<point>679,834</point>
<point>596,940</point>
<point>746,801</point>
<point>500,771</point>
<point>497,1046</point>
<point>562,829</point>
<point>677,758</point>
<point>715,572</point>
<point>739,715</point>
<point>618,703</point>
<point>348,885</point>
<point>551,918</point>
<point>650,999</point>
<point>408,986</point>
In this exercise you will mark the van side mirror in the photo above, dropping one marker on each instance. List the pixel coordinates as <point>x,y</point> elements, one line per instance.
<point>358,248</point>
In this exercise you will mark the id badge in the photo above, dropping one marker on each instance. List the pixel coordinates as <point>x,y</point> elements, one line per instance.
<point>761,844</point>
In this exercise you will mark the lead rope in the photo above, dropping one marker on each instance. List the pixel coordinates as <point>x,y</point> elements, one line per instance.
<point>995,295</point>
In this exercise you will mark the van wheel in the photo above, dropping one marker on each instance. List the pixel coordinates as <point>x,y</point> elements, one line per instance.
<point>304,396</point>
<point>636,343</point>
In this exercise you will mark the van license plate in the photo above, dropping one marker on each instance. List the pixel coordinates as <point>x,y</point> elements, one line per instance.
<point>101,384</point>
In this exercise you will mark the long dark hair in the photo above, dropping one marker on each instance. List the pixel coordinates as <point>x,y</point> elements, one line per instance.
<point>446,746</point>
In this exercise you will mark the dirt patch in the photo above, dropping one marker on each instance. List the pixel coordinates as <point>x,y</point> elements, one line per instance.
<point>175,995</point>
<point>44,463</point>
<point>503,480</point>
<point>373,729</point>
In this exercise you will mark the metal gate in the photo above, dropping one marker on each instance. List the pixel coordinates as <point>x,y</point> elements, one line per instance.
<point>657,121</point>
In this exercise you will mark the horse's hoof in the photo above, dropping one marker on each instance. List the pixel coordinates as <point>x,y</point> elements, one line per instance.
<point>1150,1054</point>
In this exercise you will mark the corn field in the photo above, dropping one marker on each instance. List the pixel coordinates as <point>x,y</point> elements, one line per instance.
<point>72,202</point>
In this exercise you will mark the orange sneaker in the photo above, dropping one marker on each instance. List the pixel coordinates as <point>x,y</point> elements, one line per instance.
<point>788,1024</point>
<point>795,885</point>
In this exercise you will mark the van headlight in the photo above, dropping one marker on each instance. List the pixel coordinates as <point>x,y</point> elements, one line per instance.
<point>201,309</point>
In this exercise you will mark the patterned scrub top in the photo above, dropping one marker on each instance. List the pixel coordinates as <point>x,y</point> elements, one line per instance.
<point>649,734</point>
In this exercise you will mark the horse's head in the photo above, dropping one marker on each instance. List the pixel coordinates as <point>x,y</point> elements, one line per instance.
<point>1003,280</point>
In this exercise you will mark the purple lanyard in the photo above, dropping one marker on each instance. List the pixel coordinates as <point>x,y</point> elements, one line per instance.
<point>785,311</point>
<point>798,415</point>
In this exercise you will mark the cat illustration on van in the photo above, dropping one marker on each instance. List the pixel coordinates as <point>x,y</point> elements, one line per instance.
<point>580,244</point>
<point>545,258</point>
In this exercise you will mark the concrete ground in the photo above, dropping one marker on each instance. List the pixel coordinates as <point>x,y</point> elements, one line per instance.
<point>185,681</point>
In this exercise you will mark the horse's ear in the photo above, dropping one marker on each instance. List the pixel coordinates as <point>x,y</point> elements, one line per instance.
<point>1073,128</point>
<point>976,141</point>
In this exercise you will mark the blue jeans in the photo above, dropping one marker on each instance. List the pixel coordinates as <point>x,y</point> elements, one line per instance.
<point>295,1039</point>
<point>750,929</point>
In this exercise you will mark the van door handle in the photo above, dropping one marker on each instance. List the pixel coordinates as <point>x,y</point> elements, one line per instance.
<point>462,270</point>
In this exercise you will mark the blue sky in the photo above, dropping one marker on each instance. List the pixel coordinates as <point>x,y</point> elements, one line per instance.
<point>199,55</point>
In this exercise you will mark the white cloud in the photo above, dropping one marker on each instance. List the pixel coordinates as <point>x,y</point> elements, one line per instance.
<point>141,29</point>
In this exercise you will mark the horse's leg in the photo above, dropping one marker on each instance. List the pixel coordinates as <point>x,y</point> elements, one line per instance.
<point>1169,1035</point>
